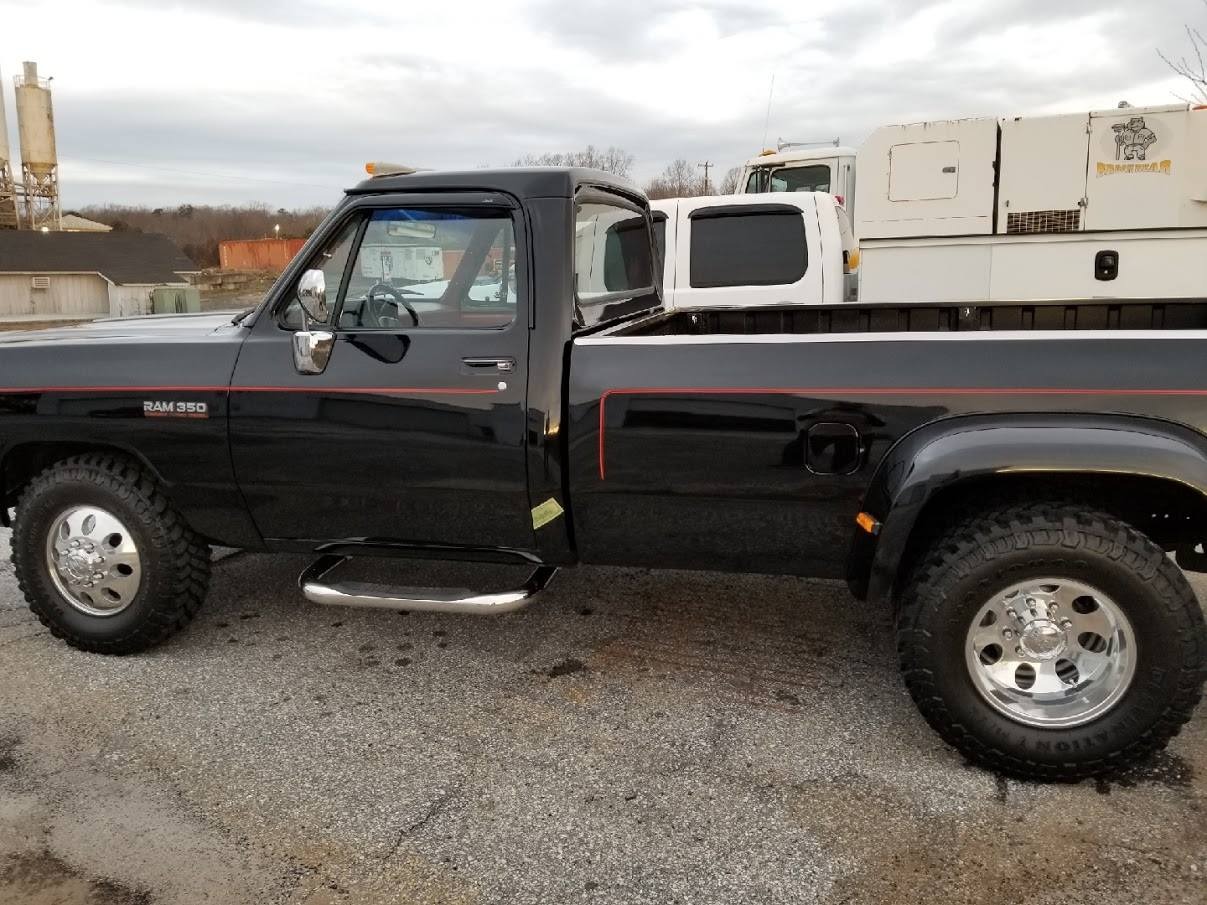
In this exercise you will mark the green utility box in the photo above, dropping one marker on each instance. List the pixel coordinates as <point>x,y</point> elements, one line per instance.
<point>175,300</point>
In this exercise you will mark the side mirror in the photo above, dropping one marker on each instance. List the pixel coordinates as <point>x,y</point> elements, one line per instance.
<point>312,350</point>
<point>312,296</point>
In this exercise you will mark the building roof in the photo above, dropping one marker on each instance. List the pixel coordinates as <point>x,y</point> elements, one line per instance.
<point>74,223</point>
<point>121,257</point>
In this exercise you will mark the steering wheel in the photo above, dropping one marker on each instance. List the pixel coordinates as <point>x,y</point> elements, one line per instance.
<point>374,312</point>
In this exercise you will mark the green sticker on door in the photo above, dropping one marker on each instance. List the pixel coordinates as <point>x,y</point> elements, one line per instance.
<point>543,514</point>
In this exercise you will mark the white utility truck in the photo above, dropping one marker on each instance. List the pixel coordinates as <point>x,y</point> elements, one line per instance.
<point>1108,203</point>
<point>780,248</point>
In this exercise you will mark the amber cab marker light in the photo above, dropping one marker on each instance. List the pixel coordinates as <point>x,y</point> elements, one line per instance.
<point>381,168</point>
<point>867,523</point>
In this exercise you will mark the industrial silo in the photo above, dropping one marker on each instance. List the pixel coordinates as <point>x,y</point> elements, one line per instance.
<point>39,161</point>
<point>8,191</point>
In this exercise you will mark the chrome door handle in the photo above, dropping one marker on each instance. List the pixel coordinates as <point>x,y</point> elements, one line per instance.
<point>502,365</point>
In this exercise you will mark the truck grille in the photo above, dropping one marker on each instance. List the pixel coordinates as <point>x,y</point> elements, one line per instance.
<point>1044,221</point>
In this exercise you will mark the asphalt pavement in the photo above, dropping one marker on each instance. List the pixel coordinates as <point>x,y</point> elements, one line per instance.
<point>633,737</point>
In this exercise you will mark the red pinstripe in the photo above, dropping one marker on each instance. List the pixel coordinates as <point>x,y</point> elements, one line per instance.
<point>375,391</point>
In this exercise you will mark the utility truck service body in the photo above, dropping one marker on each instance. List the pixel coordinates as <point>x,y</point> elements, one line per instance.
<point>1104,204</point>
<point>538,405</point>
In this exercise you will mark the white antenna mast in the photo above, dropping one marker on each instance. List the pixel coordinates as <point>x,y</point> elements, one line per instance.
<point>767,118</point>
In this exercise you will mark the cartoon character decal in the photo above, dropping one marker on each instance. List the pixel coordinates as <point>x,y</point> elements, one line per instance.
<point>1132,139</point>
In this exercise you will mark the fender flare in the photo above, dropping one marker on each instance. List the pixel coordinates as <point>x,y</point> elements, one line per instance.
<point>943,453</point>
<point>72,447</point>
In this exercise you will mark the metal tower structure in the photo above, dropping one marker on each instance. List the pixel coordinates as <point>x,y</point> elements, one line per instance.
<point>8,187</point>
<point>39,159</point>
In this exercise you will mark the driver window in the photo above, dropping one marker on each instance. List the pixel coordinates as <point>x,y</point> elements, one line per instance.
<point>332,261</point>
<point>432,268</point>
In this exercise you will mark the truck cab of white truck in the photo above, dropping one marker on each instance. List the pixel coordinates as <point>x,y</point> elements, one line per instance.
<point>827,169</point>
<point>794,248</point>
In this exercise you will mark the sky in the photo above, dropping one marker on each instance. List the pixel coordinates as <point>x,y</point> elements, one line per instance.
<point>283,101</point>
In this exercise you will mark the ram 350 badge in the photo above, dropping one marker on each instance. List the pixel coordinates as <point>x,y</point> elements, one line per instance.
<point>173,408</point>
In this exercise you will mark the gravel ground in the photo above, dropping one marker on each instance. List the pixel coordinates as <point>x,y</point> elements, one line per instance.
<point>634,737</point>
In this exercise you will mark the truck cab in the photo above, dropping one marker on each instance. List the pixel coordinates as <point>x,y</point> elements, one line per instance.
<point>778,248</point>
<point>829,169</point>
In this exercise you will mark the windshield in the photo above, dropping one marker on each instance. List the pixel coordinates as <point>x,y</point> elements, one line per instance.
<point>815,178</point>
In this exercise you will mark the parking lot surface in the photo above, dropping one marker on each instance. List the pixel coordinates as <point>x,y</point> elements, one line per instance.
<point>633,737</point>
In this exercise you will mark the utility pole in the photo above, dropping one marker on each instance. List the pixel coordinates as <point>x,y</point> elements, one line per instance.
<point>706,165</point>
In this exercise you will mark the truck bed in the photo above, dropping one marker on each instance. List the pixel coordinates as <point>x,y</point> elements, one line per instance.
<point>1105,314</point>
<point>746,439</point>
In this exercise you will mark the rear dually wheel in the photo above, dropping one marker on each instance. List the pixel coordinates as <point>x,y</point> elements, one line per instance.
<point>1051,642</point>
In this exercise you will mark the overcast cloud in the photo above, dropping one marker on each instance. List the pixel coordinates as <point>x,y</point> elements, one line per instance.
<point>282,101</point>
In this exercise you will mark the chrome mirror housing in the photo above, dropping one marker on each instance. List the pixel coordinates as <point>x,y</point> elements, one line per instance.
<point>312,350</point>
<point>312,296</point>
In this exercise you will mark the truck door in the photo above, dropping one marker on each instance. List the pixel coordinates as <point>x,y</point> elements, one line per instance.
<point>412,429</point>
<point>1138,166</point>
<point>1042,181</point>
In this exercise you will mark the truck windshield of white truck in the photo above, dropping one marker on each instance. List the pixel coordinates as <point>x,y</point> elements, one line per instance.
<point>789,179</point>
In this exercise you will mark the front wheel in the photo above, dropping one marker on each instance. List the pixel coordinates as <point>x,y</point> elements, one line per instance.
<point>103,559</point>
<point>1050,642</point>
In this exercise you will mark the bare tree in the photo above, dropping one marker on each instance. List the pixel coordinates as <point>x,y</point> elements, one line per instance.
<point>729,183</point>
<point>1192,66</point>
<point>610,159</point>
<point>613,160</point>
<point>680,179</point>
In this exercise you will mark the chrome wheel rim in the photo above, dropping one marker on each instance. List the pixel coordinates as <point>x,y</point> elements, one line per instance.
<point>1051,652</point>
<point>93,560</point>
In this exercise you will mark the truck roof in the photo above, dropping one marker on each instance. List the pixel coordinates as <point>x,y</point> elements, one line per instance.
<point>793,199</point>
<point>789,155</point>
<point>522,182</point>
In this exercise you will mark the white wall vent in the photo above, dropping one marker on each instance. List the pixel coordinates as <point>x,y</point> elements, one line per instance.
<point>40,282</point>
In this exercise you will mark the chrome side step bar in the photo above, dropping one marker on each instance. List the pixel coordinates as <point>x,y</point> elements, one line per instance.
<point>425,600</point>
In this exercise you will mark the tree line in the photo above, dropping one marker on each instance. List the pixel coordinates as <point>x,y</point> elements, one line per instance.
<point>680,179</point>
<point>198,228</point>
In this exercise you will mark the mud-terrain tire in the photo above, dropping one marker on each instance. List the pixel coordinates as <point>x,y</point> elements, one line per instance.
<point>166,566</point>
<point>966,684</point>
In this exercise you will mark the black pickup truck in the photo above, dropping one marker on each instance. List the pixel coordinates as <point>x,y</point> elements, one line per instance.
<point>478,366</point>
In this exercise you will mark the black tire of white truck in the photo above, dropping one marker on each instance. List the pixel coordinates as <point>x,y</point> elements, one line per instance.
<point>147,548</point>
<point>944,639</point>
